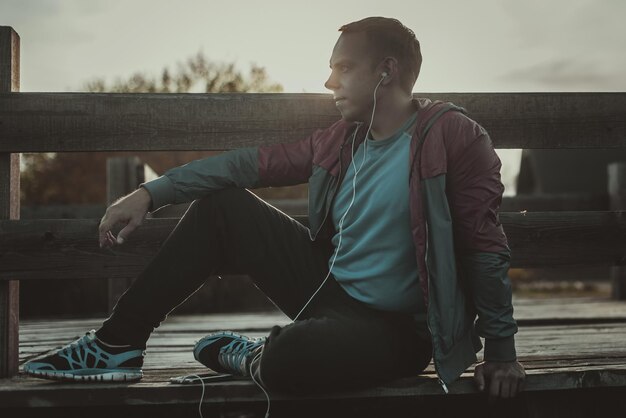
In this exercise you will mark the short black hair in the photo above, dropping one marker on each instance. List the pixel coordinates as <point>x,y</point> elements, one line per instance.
<point>389,37</point>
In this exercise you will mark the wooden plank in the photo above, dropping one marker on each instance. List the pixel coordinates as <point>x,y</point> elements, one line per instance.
<point>558,346</point>
<point>551,239</point>
<point>68,248</point>
<point>565,202</point>
<point>616,173</point>
<point>555,358</point>
<point>176,351</point>
<point>9,206</point>
<point>170,359</point>
<point>559,310</point>
<point>555,202</point>
<point>534,343</point>
<point>26,392</point>
<point>9,61</point>
<point>527,311</point>
<point>48,122</point>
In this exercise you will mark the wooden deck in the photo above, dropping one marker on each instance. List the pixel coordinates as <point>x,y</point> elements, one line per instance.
<point>565,345</point>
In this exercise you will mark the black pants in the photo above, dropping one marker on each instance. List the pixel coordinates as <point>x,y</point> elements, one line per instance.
<point>337,343</point>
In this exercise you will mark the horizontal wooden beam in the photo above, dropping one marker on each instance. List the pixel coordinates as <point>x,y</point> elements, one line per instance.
<point>535,203</point>
<point>53,122</point>
<point>68,249</point>
<point>244,391</point>
<point>555,202</point>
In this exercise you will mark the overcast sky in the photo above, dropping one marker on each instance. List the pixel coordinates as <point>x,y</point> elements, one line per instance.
<point>477,45</point>
<point>468,46</point>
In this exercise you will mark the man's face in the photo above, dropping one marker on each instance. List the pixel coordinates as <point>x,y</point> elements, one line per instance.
<point>352,79</point>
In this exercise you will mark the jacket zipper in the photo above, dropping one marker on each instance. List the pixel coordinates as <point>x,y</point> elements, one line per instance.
<point>336,189</point>
<point>441,382</point>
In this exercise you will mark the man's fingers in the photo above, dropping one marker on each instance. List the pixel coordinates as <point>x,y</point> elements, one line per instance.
<point>505,388</point>
<point>103,238</point>
<point>102,233</point>
<point>126,231</point>
<point>107,239</point>
<point>494,387</point>
<point>104,241</point>
<point>129,212</point>
<point>106,223</point>
<point>505,380</point>
<point>110,238</point>
<point>519,384</point>
<point>104,229</point>
<point>479,377</point>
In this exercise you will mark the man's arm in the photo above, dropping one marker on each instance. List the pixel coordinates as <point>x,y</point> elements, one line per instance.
<point>273,165</point>
<point>237,168</point>
<point>474,193</point>
<point>196,179</point>
<point>486,273</point>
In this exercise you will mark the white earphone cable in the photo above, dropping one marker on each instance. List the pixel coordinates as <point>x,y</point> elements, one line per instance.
<point>267,412</point>
<point>351,202</point>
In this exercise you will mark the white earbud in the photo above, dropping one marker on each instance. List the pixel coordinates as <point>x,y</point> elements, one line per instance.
<point>384,74</point>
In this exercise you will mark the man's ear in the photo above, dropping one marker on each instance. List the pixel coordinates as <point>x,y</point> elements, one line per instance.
<point>389,69</point>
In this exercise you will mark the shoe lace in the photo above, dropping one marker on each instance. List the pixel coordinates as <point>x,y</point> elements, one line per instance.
<point>87,344</point>
<point>235,354</point>
<point>81,342</point>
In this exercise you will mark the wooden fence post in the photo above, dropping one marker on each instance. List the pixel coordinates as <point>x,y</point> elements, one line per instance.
<point>617,201</point>
<point>9,208</point>
<point>124,174</point>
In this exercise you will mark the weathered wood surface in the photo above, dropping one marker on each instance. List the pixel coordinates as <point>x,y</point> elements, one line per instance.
<point>9,61</point>
<point>55,249</point>
<point>556,358</point>
<point>571,310</point>
<point>530,203</point>
<point>48,122</point>
<point>556,202</point>
<point>23,392</point>
<point>9,205</point>
<point>538,347</point>
<point>616,173</point>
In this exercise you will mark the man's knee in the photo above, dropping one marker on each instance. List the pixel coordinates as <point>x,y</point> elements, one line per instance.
<point>222,199</point>
<point>226,195</point>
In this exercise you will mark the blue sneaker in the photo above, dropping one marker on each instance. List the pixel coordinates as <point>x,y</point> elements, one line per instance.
<point>227,352</point>
<point>88,358</point>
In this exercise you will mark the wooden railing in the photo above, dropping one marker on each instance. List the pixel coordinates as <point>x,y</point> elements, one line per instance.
<point>67,122</point>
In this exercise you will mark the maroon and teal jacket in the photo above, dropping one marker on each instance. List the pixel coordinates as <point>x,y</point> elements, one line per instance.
<point>454,193</point>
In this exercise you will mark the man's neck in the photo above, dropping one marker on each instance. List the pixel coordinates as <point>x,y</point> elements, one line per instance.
<point>390,118</point>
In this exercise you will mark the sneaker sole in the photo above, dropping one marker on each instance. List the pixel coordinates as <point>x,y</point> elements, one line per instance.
<point>99,377</point>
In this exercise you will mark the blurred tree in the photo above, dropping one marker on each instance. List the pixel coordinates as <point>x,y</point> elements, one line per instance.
<point>80,178</point>
<point>196,75</point>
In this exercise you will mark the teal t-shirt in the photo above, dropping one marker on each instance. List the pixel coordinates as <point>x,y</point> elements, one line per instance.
<point>376,261</point>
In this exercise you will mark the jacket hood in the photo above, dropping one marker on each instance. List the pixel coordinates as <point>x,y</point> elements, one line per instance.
<point>426,108</point>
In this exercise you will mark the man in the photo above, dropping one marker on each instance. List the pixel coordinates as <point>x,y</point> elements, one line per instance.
<point>385,278</point>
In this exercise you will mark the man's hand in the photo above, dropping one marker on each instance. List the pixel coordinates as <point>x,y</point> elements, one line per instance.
<point>505,379</point>
<point>129,211</point>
